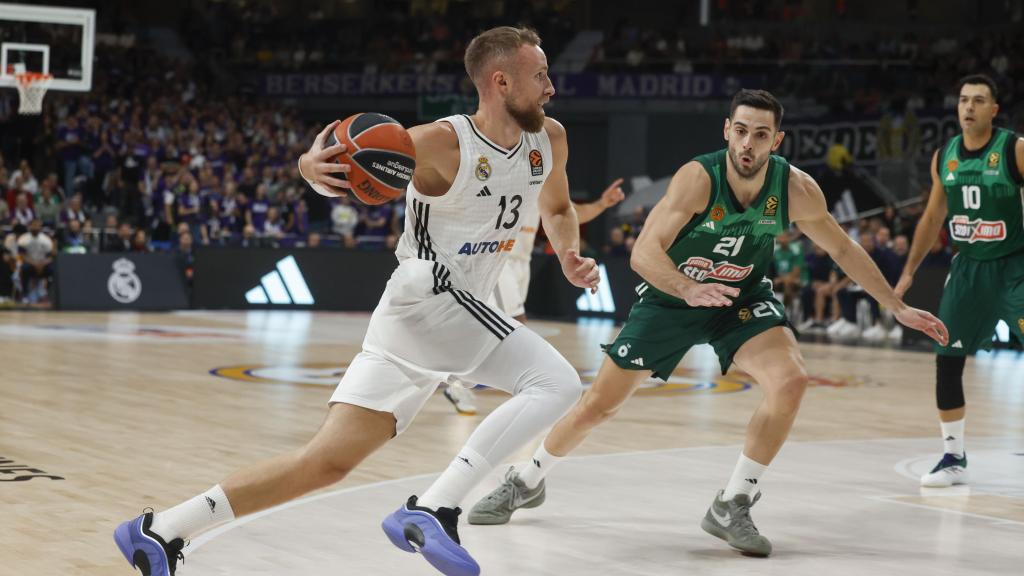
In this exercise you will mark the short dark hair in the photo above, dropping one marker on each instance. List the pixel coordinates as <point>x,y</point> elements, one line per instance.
<point>979,79</point>
<point>760,99</point>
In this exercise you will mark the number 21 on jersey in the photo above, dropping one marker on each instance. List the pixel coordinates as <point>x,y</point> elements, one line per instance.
<point>729,246</point>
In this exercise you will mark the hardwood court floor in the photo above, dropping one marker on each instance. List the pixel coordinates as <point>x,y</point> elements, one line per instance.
<point>136,410</point>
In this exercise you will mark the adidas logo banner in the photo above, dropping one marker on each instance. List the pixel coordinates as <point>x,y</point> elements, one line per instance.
<point>284,285</point>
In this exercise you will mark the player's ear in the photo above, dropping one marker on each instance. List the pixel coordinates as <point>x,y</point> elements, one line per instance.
<point>725,129</point>
<point>778,140</point>
<point>500,80</point>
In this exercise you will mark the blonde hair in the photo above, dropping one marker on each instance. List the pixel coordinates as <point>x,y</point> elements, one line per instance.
<point>496,43</point>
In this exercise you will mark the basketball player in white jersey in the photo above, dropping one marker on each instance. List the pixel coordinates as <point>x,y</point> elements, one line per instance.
<point>514,280</point>
<point>431,322</point>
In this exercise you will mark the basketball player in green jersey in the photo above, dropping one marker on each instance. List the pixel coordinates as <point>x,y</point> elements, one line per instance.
<point>704,252</point>
<point>978,185</point>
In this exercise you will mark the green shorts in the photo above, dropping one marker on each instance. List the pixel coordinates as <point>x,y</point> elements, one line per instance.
<point>978,294</point>
<point>658,332</point>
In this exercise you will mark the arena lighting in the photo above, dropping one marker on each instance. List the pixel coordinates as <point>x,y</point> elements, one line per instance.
<point>600,302</point>
<point>285,285</point>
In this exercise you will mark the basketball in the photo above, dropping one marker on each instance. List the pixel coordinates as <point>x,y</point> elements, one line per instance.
<point>380,152</point>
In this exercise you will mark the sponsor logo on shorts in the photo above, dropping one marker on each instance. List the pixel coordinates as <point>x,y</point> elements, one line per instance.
<point>699,268</point>
<point>771,206</point>
<point>964,229</point>
<point>745,314</point>
<point>487,247</point>
<point>623,350</point>
<point>536,163</point>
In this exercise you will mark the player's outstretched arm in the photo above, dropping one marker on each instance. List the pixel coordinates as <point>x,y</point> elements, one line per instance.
<point>559,216</point>
<point>927,230</point>
<point>687,195</point>
<point>611,196</point>
<point>808,210</point>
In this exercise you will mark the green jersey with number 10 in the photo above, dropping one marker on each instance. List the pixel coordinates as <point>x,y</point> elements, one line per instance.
<point>984,196</point>
<point>727,243</point>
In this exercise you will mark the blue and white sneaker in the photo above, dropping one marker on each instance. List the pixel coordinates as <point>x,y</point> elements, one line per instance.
<point>432,533</point>
<point>949,471</point>
<point>146,550</point>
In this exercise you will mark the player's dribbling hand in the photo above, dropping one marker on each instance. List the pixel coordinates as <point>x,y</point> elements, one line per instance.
<point>708,295</point>
<point>319,169</point>
<point>580,272</point>
<point>925,322</point>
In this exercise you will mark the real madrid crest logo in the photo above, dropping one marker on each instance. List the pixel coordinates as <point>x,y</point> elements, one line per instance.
<point>483,168</point>
<point>124,284</point>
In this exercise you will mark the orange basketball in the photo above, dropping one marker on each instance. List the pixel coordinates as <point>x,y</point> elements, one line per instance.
<point>380,152</point>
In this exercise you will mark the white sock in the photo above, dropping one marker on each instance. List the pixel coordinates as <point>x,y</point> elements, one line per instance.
<point>465,472</point>
<point>745,478</point>
<point>543,462</point>
<point>194,516</point>
<point>953,437</point>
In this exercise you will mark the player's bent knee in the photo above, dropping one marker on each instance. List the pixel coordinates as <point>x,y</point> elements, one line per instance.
<point>567,384</point>
<point>791,387</point>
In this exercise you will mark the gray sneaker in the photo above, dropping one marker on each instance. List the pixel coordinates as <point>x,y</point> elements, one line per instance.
<point>731,522</point>
<point>498,506</point>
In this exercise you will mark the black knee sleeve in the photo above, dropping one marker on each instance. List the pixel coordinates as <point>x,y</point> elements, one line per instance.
<point>949,382</point>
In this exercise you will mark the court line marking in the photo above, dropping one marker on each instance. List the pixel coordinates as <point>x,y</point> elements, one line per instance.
<point>891,500</point>
<point>209,535</point>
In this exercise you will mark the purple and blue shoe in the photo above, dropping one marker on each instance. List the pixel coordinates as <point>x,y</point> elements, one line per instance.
<point>433,534</point>
<point>146,550</point>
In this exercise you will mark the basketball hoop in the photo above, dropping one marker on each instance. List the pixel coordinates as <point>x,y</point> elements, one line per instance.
<point>31,89</point>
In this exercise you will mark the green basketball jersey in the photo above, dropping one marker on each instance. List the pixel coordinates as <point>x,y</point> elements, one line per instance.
<point>726,243</point>
<point>984,195</point>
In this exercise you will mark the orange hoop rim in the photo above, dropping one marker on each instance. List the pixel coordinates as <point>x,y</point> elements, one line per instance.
<point>29,78</point>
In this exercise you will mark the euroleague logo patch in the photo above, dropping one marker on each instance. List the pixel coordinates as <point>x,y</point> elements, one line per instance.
<point>771,206</point>
<point>536,163</point>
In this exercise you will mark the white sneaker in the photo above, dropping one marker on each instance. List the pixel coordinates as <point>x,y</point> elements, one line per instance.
<point>843,329</point>
<point>875,334</point>
<point>849,331</point>
<point>806,325</point>
<point>461,397</point>
<point>949,471</point>
<point>835,327</point>
<point>896,334</point>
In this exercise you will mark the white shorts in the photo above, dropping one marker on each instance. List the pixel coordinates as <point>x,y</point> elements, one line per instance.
<point>512,287</point>
<point>417,339</point>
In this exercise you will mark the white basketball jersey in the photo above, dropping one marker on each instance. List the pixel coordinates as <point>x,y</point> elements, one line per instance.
<point>523,250</point>
<point>474,227</point>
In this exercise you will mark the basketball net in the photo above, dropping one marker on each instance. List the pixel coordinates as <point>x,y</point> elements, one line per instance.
<point>31,89</point>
